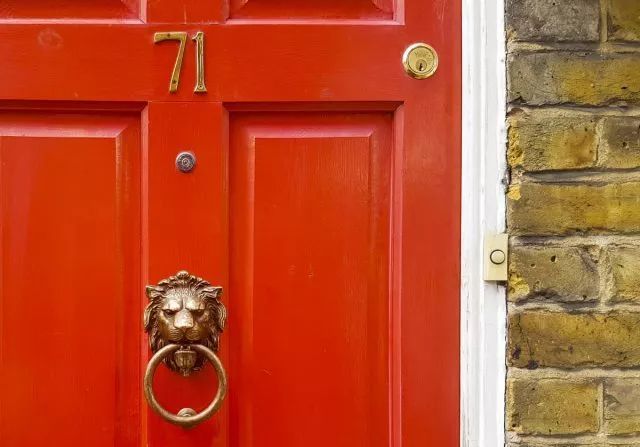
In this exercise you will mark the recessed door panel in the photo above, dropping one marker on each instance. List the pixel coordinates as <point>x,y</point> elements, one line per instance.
<point>312,9</point>
<point>309,328</point>
<point>69,9</point>
<point>69,360</point>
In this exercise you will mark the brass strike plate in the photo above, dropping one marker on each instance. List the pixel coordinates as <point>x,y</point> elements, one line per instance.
<point>420,60</point>
<point>496,257</point>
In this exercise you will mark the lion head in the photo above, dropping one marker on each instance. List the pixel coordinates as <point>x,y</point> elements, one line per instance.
<point>183,310</point>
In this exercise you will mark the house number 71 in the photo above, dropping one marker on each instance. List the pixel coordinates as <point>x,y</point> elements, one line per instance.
<point>181,37</point>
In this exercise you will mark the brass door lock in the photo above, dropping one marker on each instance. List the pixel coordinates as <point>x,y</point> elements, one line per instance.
<point>420,60</point>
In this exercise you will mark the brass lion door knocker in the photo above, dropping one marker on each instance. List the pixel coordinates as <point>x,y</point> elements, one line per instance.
<point>184,320</point>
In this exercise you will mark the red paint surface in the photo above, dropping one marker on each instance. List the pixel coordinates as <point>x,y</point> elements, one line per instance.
<point>69,369</point>
<point>325,200</point>
<point>310,223</point>
<point>312,9</point>
<point>68,9</point>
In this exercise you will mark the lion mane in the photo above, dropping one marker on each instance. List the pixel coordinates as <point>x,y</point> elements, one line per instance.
<point>190,284</point>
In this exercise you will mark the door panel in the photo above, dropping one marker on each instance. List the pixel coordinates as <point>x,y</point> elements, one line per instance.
<point>69,9</point>
<point>70,199</point>
<point>310,225</point>
<point>312,9</point>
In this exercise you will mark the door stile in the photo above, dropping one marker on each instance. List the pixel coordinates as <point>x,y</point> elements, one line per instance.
<point>185,228</point>
<point>183,12</point>
<point>428,232</point>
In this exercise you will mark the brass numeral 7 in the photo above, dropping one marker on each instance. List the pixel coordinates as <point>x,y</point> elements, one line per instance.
<point>181,37</point>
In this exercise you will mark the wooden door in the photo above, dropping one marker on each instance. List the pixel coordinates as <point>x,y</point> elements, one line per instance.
<point>324,200</point>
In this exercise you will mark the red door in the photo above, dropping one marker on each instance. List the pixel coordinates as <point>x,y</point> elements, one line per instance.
<point>324,201</point>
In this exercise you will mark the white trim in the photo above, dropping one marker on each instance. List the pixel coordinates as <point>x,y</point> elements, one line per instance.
<point>483,312</point>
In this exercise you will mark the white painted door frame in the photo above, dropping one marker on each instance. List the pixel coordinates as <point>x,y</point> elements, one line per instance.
<point>483,306</point>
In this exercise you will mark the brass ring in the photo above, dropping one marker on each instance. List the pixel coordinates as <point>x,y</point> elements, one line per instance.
<point>186,418</point>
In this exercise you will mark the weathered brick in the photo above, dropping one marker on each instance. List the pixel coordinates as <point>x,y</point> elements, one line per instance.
<point>552,20</point>
<point>622,406</point>
<point>564,340</point>
<point>546,203</point>
<point>540,141</point>
<point>624,263</point>
<point>620,147</point>
<point>560,209</point>
<point>624,20</point>
<point>552,273</point>
<point>552,406</point>
<point>574,77</point>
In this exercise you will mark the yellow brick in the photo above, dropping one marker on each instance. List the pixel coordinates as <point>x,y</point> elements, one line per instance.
<point>574,77</point>
<point>557,209</point>
<point>552,407</point>
<point>624,263</point>
<point>564,274</point>
<point>620,142</point>
<point>622,406</point>
<point>624,20</point>
<point>563,340</point>
<point>541,141</point>
<point>545,20</point>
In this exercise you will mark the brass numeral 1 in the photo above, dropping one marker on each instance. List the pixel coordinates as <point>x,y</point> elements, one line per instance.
<point>199,40</point>
<point>181,37</point>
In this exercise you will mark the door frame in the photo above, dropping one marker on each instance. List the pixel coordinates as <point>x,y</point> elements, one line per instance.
<point>483,305</point>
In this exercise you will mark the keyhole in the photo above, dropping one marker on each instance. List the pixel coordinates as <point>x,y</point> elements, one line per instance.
<point>419,60</point>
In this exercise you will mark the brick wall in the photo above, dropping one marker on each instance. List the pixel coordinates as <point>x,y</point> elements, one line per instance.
<point>574,217</point>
